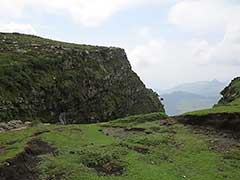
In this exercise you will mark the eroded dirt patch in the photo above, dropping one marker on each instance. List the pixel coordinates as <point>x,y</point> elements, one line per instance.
<point>23,166</point>
<point>220,121</point>
<point>220,141</point>
<point>141,150</point>
<point>135,129</point>
<point>37,147</point>
<point>108,169</point>
<point>57,176</point>
<point>168,122</point>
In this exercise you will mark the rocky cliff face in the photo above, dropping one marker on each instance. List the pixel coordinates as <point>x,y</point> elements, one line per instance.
<point>68,83</point>
<point>231,92</point>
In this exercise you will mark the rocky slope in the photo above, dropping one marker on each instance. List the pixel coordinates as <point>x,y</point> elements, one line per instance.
<point>68,83</point>
<point>231,92</point>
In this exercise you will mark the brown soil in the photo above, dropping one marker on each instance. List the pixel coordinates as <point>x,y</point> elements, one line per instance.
<point>23,166</point>
<point>135,129</point>
<point>108,169</point>
<point>58,176</point>
<point>168,122</point>
<point>141,150</point>
<point>219,140</point>
<point>222,121</point>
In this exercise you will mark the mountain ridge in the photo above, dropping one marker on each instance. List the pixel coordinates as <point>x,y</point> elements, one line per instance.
<point>205,88</point>
<point>192,96</point>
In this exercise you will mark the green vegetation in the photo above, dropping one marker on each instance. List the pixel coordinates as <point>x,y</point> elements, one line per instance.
<point>231,92</point>
<point>13,142</point>
<point>133,148</point>
<point>133,120</point>
<point>60,82</point>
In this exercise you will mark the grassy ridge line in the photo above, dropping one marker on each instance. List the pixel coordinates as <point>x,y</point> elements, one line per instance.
<point>25,39</point>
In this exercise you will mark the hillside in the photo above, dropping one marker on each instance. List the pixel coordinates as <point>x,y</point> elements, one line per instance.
<point>144,147</point>
<point>179,102</point>
<point>231,93</point>
<point>54,81</point>
<point>224,115</point>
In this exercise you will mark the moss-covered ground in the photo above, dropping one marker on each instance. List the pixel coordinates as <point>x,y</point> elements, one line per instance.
<point>148,149</point>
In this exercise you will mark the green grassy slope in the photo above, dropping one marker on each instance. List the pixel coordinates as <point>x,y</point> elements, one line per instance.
<point>146,151</point>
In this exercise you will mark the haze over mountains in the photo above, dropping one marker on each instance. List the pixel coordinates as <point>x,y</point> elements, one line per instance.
<point>192,96</point>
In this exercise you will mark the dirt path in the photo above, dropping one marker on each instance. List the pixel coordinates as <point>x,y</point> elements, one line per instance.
<point>220,140</point>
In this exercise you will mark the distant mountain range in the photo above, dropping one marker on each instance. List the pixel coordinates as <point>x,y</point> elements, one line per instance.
<point>191,96</point>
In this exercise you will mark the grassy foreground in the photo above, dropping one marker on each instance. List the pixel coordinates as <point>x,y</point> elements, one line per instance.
<point>137,148</point>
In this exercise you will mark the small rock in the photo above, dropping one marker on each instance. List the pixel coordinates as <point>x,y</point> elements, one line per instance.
<point>27,123</point>
<point>4,126</point>
<point>15,124</point>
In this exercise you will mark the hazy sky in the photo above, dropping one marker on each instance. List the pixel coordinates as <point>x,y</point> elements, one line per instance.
<point>167,41</point>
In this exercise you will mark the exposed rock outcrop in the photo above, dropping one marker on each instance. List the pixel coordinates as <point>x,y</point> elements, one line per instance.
<point>68,83</point>
<point>12,125</point>
<point>231,92</point>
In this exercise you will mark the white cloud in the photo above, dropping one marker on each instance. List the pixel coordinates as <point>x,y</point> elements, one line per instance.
<point>84,12</point>
<point>156,60</point>
<point>204,15</point>
<point>12,8</point>
<point>197,57</point>
<point>21,28</point>
<point>227,51</point>
<point>162,63</point>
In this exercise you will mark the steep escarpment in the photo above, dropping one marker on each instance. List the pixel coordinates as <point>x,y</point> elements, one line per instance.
<point>61,82</point>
